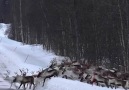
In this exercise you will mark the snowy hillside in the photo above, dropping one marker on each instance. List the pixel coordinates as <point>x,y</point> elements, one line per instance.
<point>14,56</point>
<point>63,84</point>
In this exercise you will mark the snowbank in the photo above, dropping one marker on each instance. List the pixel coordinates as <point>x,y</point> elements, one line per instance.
<point>63,84</point>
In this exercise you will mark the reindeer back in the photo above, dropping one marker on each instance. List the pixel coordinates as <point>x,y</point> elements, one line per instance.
<point>18,78</point>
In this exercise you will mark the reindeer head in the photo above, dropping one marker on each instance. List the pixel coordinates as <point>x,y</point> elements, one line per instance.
<point>61,66</point>
<point>16,73</point>
<point>24,74</point>
<point>23,71</point>
<point>32,72</point>
<point>40,73</point>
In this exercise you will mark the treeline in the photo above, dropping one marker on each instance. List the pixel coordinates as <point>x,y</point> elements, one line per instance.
<point>96,30</point>
<point>5,11</point>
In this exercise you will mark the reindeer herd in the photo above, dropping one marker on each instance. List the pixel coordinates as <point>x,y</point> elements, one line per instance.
<point>74,70</point>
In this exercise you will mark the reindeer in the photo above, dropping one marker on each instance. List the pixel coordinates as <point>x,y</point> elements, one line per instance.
<point>47,74</point>
<point>122,80</point>
<point>119,82</point>
<point>116,82</point>
<point>123,76</point>
<point>69,72</point>
<point>12,79</point>
<point>99,80</point>
<point>126,85</point>
<point>84,77</point>
<point>7,74</point>
<point>23,79</point>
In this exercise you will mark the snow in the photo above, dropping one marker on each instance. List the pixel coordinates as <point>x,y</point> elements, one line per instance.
<point>14,56</point>
<point>3,28</point>
<point>63,84</point>
<point>4,85</point>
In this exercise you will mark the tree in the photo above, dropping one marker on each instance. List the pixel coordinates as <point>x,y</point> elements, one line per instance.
<point>96,30</point>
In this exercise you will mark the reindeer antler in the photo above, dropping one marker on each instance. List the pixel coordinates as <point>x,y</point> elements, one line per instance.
<point>40,70</point>
<point>24,74</point>
<point>15,73</point>
<point>32,72</point>
<point>27,70</point>
<point>37,71</point>
<point>21,71</point>
<point>8,71</point>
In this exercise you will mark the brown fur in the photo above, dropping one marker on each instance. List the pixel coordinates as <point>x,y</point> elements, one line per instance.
<point>25,80</point>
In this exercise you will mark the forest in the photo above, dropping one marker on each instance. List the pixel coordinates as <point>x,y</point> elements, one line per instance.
<point>94,30</point>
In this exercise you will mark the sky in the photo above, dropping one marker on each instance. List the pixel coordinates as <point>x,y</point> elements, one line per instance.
<point>14,56</point>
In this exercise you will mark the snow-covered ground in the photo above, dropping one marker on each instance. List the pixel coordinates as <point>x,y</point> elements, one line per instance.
<point>63,84</point>
<point>14,56</point>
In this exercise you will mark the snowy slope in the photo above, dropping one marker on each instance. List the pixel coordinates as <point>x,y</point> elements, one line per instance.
<point>14,56</point>
<point>63,84</point>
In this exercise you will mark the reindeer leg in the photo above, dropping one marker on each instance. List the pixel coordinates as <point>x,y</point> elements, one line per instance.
<point>115,86</point>
<point>97,83</point>
<point>24,86</point>
<point>27,84</point>
<point>65,76</point>
<point>81,80</point>
<point>19,86</point>
<point>112,86</point>
<point>30,86</point>
<point>106,84</point>
<point>57,74</point>
<point>34,86</point>
<point>11,84</point>
<point>44,81</point>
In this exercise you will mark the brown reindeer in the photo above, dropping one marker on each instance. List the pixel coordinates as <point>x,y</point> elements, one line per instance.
<point>84,77</point>
<point>115,82</point>
<point>47,74</point>
<point>124,76</point>
<point>99,80</point>
<point>23,79</point>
